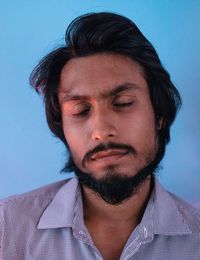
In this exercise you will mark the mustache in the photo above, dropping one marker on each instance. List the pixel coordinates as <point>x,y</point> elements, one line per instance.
<point>105,147</point>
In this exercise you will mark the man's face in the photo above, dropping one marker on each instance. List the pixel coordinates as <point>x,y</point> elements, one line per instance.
<point>107,115</point>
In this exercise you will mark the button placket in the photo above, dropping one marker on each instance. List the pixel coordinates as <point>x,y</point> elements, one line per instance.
<point>134,244</point>
<point>143,238</point>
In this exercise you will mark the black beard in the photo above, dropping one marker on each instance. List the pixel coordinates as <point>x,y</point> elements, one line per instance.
<point>115,188</point>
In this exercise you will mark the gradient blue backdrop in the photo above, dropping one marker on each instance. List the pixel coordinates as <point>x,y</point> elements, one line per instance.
<point>29,155</point>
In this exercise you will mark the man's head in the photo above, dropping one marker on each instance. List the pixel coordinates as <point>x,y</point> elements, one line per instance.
<point>109,99</point>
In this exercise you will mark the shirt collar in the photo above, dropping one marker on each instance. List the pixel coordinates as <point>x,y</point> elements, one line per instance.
<point>60,211</point>
<point>161,215</point>
<point>167,219</point>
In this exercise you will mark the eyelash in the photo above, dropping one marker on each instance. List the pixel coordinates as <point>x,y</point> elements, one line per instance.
<point>117,105</point>
<point>128,104</point>
<point>82,113</point>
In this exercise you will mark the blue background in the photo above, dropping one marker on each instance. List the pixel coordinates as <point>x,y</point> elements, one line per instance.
<point>29,155</point>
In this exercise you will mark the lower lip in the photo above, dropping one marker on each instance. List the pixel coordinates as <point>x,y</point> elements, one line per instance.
<point>109,159</point>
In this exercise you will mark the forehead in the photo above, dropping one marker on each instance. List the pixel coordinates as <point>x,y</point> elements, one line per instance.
<point>93,75</point>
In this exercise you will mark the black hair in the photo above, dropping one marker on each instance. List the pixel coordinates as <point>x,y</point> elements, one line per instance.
<point>106,32</point>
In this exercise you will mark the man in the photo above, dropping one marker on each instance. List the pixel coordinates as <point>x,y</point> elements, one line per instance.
<point>109,99</point>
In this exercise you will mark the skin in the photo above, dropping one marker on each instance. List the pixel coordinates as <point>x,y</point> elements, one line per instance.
<point>105,98</point>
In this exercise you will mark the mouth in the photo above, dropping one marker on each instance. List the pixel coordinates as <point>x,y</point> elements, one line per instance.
<point>111,154</point>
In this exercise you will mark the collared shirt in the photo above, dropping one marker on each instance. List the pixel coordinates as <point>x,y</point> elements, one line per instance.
<point>48,223</point>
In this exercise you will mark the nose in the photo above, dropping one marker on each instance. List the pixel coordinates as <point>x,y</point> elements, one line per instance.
<point>103,127</point>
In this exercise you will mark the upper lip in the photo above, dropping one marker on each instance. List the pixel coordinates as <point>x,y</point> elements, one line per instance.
<point>110,152</point>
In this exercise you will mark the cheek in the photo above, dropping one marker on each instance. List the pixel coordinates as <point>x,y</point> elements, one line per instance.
<point>75,138</point>
<point>140,129</point>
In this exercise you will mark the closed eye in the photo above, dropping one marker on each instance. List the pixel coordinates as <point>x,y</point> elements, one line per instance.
<point>123,104</point>
<point>82,113</point>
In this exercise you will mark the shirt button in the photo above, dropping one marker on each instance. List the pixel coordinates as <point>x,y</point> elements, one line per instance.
<point>81,232</point>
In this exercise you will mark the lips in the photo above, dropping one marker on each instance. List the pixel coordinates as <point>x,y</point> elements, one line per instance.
<point>108,153</point>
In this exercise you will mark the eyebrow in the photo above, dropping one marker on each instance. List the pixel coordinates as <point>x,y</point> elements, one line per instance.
<point>110,93</point>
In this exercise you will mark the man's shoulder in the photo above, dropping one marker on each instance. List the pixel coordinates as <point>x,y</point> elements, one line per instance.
<point>24,218</point>
<point>32,200</point>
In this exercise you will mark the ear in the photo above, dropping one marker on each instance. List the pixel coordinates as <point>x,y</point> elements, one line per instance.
<point>161,123</point>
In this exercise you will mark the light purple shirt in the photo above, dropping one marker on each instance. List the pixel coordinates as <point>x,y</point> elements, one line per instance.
<point>47,224</point>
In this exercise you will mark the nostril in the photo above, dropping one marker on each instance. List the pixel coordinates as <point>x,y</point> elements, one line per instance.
<point>103,135</point>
